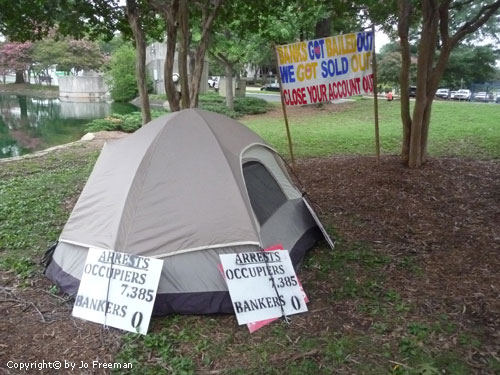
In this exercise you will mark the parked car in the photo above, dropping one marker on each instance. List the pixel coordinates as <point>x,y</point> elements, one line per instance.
<point>275,86</point>
<point>482,96</point>
<point>452,94</point>
<point>443,93</point>
<point>463,94</point>
<point>213,82</point>
<point>413,91</point>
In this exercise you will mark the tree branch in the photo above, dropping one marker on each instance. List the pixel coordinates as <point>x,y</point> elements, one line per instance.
<point>476,22</point>
<point>460,5</point>
<point>444,21</point>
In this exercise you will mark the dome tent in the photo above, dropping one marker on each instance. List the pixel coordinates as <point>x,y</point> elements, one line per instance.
<point>185,188</point>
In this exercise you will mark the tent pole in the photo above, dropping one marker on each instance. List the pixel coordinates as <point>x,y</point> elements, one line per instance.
<point>283,106</point>
<point>375,98</point>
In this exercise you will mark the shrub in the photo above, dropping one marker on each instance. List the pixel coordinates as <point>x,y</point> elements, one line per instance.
<point>251,106</point>
<point>121,75</point>
<point>242,106</point>
<point>128,123</point>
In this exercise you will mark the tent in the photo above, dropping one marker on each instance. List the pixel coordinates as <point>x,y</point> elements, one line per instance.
<point>185,188</point>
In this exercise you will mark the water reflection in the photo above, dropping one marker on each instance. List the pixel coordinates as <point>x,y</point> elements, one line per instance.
<point>29,124</point>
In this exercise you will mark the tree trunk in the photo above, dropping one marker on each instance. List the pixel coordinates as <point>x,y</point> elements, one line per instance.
<point>172,94</point>
<point>208,17</point>
<point>424,95</point>
<point>140,65</point>
<point>194,89</point>
<point>323,27</point>
<point>183,52</point>
<point>192,60</point>
<point>170,12</point>
<point>20,76</point>
<point>403,30</point>
<point>228,71</point>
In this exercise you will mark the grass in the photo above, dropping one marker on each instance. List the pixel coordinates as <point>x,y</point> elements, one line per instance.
<point>33,198</point>
<point>458,129</point>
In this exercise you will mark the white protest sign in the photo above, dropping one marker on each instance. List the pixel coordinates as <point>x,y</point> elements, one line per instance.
<point>262,285</point>
<point>118,289</point>
<point>325,69</point>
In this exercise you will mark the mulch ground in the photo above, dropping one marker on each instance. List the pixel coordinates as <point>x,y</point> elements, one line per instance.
<point>445,215</point>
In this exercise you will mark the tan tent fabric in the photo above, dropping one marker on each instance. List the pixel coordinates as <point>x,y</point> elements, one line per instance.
<point>142,182</point>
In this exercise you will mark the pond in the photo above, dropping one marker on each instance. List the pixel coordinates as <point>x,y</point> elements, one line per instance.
<point>29,124</point>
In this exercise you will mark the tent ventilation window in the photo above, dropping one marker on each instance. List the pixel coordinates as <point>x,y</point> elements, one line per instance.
<point>264,192</point>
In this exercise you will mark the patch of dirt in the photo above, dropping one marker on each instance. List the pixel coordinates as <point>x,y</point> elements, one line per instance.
<point>38,326</point>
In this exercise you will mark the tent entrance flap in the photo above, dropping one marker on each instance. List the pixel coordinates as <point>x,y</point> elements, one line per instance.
<point>266,196</point>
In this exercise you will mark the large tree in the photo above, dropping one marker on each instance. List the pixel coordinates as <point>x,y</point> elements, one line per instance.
<point>178,17</point>
<point>443,24</point>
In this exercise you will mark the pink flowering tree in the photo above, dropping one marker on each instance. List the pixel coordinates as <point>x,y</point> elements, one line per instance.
<point>16,57</point>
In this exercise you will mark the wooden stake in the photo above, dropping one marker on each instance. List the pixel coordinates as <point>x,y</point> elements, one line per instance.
<point>375,98</point>
<point>283,106</point>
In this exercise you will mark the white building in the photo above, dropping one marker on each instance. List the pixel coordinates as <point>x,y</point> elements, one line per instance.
<point>155,63</point>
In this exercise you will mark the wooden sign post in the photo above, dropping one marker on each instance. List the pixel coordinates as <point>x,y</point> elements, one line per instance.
<point>289,137</point>
<point>375,98</point>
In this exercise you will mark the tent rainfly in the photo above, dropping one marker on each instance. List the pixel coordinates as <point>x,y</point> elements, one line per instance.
<point>185,188</point>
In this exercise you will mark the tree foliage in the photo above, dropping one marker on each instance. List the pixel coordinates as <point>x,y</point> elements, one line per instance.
<point>68,55</point>
<point>80,55</point>
<point>121,74</point>
<point>470,64</point>
<point>16,56</point>
<point>467,64</point>
<point>24,20</point>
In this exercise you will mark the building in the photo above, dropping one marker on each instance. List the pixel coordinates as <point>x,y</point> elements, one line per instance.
<point>155,63</point>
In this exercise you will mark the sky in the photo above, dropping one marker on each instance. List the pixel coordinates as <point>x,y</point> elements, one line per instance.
<point>380,40</point>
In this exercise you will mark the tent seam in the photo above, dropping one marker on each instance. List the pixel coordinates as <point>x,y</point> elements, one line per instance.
<point>252,217</point>
<point>151,153</point>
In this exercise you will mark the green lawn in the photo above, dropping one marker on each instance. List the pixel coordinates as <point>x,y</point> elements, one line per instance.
<point>470,130</point>
<point>36,196</point>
